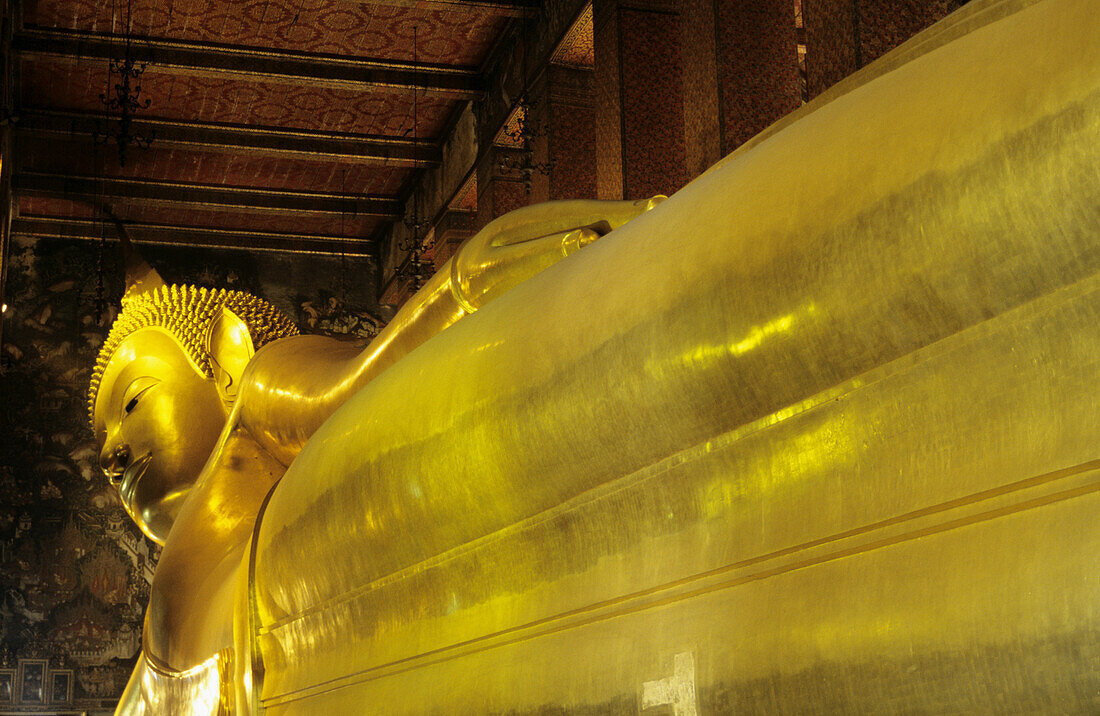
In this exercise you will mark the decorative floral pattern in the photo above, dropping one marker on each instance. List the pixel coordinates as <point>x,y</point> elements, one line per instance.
<point>842,36</point>
<point>572,138</point>
<point>885,24</point>
<point>831,51</point>
<point>577,48</point>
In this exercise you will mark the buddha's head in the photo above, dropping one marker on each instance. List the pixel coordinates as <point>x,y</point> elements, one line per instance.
<point>163,387</point>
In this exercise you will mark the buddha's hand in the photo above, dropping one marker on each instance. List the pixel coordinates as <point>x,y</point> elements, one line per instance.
<point>524,242</point>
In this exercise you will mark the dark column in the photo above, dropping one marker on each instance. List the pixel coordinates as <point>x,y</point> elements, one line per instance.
<point>570,120</point>
<point>832,52</point>
<point>757,66</point>
<point>885,24</point>
<point>454,228</point>
<point>499,190</point>
<point>640,99</point>
<point>609,101</point>
<point>7,163</point>
<point>844,35</point>
<point>702,121</point>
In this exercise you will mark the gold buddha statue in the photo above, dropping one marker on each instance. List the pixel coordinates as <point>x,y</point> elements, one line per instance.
<point>183,401</point>
<point>815,434</point>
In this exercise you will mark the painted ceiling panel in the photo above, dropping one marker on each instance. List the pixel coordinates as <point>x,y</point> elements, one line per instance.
<point>65,83</point>
<point>273,115</point>
<point>453,36</point>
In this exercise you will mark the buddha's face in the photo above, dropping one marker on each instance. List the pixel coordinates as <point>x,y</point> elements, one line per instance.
<point>157,419</point>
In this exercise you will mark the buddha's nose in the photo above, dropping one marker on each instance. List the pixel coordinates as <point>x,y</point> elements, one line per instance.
<point>114,460</point>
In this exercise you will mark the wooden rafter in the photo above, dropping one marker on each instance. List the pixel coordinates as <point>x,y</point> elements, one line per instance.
<point>508,8</point>
<point>202,58</point>
<point>205,196</point>
<point>261,141</point>
<point>195,236</point>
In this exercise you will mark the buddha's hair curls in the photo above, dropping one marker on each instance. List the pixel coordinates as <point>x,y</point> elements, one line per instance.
<point>187,312</point>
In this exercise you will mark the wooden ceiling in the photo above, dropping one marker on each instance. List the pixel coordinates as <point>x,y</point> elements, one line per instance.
<point>276,124</point>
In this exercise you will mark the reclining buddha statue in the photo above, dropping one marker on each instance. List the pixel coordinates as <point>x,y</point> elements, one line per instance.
<point>815,433</point>
<point>196,424</point>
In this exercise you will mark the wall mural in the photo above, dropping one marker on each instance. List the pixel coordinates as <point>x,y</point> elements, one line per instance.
<point>74,571</point>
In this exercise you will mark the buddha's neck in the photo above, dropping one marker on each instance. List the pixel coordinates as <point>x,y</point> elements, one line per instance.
<point>191,602</point>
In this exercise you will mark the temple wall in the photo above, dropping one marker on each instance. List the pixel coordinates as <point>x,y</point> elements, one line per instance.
<point>74,570</point>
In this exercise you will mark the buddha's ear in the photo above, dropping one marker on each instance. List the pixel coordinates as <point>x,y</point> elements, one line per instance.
<point>230,348</point>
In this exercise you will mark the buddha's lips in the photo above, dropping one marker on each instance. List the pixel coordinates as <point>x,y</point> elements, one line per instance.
<point>130,477</point>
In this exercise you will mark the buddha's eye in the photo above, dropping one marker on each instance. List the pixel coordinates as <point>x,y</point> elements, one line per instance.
<point>136,390</point>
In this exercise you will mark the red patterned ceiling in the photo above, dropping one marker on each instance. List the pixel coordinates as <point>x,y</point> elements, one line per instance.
<point>61,83</point>
<point>64,77</point>
<point>452,36</point>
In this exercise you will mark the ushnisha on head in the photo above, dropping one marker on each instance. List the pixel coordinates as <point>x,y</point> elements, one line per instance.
<point>164,383</point>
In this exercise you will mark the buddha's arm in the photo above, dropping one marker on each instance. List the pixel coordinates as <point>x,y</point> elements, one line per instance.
<point>293,385</point>
<point>189,618</point>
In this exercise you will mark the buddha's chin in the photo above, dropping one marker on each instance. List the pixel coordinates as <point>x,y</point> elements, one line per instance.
<point>131,477</point>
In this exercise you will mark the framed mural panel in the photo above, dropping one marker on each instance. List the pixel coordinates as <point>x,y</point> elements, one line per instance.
<point>61,686</point>
<point>7,686</point>
<point>31,684</point>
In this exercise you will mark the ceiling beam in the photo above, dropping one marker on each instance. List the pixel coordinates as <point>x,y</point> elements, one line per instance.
<point>236,138</point>
<point>508,8</point>
<point>199,237</point>
<point>95,189</point>
<point>249,63</point>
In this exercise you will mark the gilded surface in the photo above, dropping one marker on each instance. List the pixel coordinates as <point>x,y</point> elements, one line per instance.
<point>195,426</point>
<point>815,434</point>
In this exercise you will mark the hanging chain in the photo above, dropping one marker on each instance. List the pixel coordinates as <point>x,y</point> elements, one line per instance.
<point>416,268</point>
<point>343,257</point>
<point>124,97</point>
<point>100,291</point>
